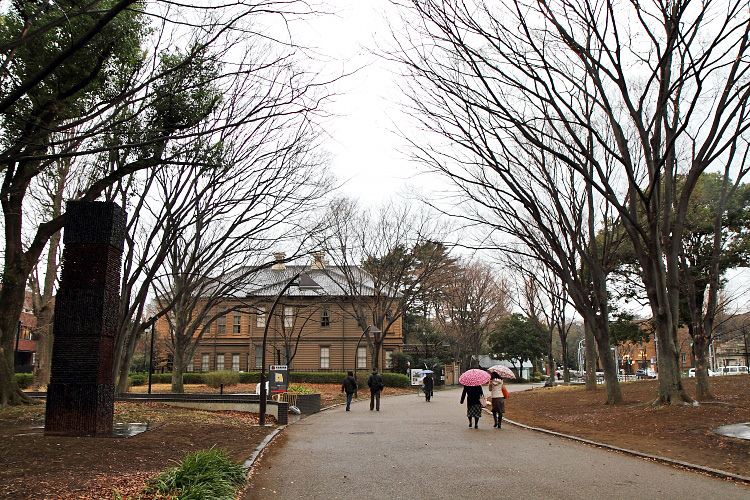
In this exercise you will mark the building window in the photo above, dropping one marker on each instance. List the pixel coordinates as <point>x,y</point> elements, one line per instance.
<point>221,325</point>
<point>219,362</point>
<point>325,318</point>
<point>258,357</point>
<point>191,366</point>
<point>204,362</point>
<point>325,357</point>
<point>288,316</point>
<point>389,358</point>
<point>236,324</point>
<point>235,362</point>
<point>361,357</point>
<point>260,317</point>
<point>684,358</point>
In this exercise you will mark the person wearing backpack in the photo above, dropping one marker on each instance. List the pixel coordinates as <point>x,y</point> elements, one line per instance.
<point>375,383</point>
<point>349,386</point>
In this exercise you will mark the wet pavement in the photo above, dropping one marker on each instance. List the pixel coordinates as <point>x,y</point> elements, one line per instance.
<point>413,450</point>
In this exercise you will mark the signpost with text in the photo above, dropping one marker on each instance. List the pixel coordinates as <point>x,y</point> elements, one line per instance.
<point>278,378</point>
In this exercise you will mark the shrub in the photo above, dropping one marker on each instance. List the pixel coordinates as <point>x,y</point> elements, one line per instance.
<point>160,378</point>
<point>249,377</point>
<point>135,379</point>
<point>203,474</point>
<point>316,377</point>
<point>192,378</point>
<point>400,360</point>
<point>301,389</point>
<point>225,377</point>
<point>395,380</point>
<point>24,380</point>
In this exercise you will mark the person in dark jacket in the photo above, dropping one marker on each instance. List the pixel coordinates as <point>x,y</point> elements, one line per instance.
<point>375,383</point>
<point>429,384</point>
<point>473,406</point>
<point>349,386</point>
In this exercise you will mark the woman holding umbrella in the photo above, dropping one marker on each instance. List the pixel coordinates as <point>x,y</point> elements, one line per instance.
<point>472,381</point>
<point>498,398</point>
<point>498,392</point>
<point>429,383</point>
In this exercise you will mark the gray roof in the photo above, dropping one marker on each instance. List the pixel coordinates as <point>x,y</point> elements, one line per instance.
<point>332,280</point>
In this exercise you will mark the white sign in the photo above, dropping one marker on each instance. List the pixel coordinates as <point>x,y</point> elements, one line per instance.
<point>416,379</point>
<point>278,367</point>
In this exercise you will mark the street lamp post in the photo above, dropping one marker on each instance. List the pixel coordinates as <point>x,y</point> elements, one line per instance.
<point>305,283</point>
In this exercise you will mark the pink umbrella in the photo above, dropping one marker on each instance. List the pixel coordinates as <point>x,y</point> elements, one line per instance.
<point>474,377</point>
<point>503,371</point>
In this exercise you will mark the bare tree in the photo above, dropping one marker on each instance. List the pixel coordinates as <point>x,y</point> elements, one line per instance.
<point>242,211</point>
<point>543,298</point>
<point>386,260</point>
<point>56,185</point>
<point>147,84</point>
<point>470,305</point>
<point>652,89</point>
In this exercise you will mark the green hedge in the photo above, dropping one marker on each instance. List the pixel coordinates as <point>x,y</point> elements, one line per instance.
<point>225,377</point>
<point>389,379</point>
<point>24,380</point>
<point>249,377</point>
<point>137,379</point>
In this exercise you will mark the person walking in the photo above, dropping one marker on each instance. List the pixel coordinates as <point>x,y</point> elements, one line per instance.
<point>375,383</point>
<point>497,393</point>
<point>429,383</point>
<point>472,394</point>
<point>349,386</point>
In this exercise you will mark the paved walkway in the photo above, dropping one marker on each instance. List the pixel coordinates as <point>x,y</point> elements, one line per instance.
<point>417,450</point>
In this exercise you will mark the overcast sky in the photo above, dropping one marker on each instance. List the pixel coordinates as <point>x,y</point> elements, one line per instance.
<point>364,150</point>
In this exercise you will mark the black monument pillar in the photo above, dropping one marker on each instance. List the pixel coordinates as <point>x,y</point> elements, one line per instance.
<point>80,396</point>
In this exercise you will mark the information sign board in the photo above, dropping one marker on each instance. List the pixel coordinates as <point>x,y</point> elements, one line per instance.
<point>278,378</point>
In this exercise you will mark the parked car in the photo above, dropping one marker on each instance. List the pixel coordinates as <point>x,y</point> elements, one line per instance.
<point>733,370</point>
<point>643,373</point>
<point>711,373</point>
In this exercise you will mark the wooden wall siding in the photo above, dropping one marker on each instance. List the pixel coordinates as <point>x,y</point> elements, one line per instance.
<point>341,336</point>
<point>342,353</point>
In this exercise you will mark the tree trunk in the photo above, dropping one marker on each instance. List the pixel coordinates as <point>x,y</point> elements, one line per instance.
<point>178,368</point>
<point>564,347</point>
<point>671,390</point>
<point>12,297</point>
<point>700,351</point>
<point>43,356</point>
<point>127,358</point>
<point>590,345</point>
<point>614,394</point>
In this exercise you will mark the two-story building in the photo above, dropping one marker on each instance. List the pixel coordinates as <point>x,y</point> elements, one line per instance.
<point>310,330</point>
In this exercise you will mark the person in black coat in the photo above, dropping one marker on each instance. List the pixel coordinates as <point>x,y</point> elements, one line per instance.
<point>473,405</point>
<point>429,384</point>
<point>349,386</point>
<point>375,383</point>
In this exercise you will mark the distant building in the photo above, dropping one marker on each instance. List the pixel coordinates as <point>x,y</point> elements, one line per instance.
<point>24,347</point>
<point>487,362</point>
<point>311,330</point>
<point>732,342</point>
<point>631,357</point>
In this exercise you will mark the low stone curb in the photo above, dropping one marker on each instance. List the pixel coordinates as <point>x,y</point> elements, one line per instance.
<point>248,464</point>
<point>675,463</point>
